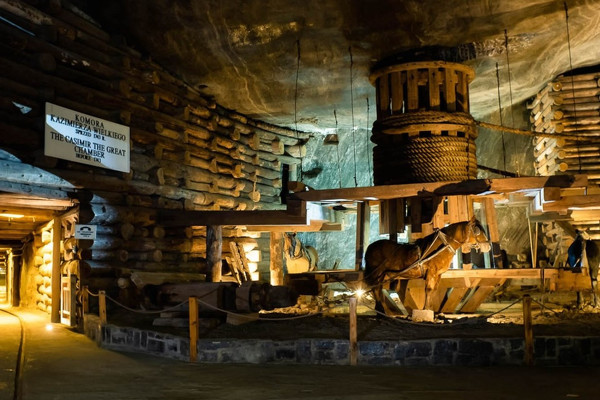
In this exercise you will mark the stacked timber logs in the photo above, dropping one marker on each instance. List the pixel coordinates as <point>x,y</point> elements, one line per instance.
<point>570,105</point>
<point>187,152</point>
<point>556,243</point>
<point>42,273</point>
<point>423,132</point>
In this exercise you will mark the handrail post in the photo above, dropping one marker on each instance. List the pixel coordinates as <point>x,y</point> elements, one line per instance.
<point>85,300</point>
<point>352,303</point>
<point>193,310</point>
<point>528,326</point>
<point>102,307</point>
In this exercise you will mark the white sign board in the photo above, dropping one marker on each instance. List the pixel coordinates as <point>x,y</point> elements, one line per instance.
<point>85,231</point>
<point>74,136</point>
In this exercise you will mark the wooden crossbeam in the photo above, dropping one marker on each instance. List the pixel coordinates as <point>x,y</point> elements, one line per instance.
<point>15,200</point>
<point>170,218</point>
<point>313,226</point>
<point>472,187</point>
<point>530,273</point>
<point>579,201</point>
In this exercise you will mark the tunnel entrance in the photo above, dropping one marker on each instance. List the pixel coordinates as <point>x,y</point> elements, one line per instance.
<point>3,281</point>
<point>31,233</point>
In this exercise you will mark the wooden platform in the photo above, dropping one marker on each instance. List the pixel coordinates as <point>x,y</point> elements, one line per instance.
<point>459,291</point>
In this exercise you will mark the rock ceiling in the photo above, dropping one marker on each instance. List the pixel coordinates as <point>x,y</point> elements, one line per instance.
<point>245,53</point>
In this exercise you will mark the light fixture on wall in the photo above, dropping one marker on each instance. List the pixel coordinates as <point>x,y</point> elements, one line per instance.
<point>10,215</point>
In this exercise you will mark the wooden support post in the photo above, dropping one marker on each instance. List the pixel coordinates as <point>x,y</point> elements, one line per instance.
<point>415,215</point>
<point>276,254</point>
<point>400,214</point>
<point>438,219</point>
<point>193,311</point>
<point>214,249</point>
<point>352,303</point>
<point>491,220</point>
<point>392,220</point>
<point>528,326</point>
<point>102,307</point>
<point>388,220</point>
<point>363,219</point>
<point>56,272</point>
<point>85,300</point>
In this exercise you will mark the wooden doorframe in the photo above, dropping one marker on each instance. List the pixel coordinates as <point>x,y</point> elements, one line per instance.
<point>59,232</point>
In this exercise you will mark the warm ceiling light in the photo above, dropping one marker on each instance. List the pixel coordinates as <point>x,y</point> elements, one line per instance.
<point>8,215</point>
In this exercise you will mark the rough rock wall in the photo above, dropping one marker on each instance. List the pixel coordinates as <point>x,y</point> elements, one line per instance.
<point>513,154</point>
<point>323,167</point>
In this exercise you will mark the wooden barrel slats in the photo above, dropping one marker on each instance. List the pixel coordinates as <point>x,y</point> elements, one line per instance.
<point>423,108</point>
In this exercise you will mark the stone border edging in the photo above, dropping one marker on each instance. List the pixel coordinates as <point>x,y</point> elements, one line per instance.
<point>549,351</point>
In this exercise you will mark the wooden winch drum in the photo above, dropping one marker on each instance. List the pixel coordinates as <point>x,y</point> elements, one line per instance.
<point>424,131</point>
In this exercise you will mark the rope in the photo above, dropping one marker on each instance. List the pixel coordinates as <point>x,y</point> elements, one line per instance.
<point>503,309</point>
<point>393,318</point>
<point>543,306</point>
<point>529,133</point>
<point>203,302</point>
<point>352,112</point>
<point>253,317</point>
<point>509,80</point>
<point>338,149</point>
<point>413,160</point>
<point>438,117</point>
<point>135,310</point>
<point>572,79</point>
<point>425,117</point>
<point>512,116</point>
<point>146,311</point>
<point>500,112</point>
<point>369,171</point>
<point>296,105</point>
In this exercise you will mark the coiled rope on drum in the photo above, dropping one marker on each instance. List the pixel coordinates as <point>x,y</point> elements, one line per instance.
<point>424,117</point>
<point>426,145</point>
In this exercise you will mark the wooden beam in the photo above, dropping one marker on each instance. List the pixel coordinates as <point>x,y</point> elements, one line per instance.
<point>17,200</point>
<point>589,201</point>
<point>363,219</point>
<point>578,215</point>
<point>214,249</point>
<point>388,220</point>
<point>552,216</point>
<point>481,293</point>
<point>528,273</point>
<point>56,270</point>
<point>102,307</point>
<point>32,213</point>
<point>276,261</point>
<point>352,306</point>
<point>467,187</point>
<point>491,219</point>
<point>193,316</point>
<point>168,218</point>
<point>454,299</point>
<point>528,327</point>
<point>313,226</point>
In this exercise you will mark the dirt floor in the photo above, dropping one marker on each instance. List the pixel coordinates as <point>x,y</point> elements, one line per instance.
<point>503,318</point>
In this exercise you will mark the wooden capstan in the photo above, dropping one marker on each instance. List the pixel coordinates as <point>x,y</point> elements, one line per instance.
<point>423,132</point>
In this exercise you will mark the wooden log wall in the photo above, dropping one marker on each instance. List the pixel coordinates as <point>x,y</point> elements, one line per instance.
<point>187,152</point>
<point>569,106</point>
